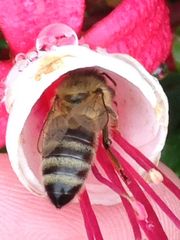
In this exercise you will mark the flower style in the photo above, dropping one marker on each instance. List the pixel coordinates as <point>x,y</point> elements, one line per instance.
<point>148,114</point>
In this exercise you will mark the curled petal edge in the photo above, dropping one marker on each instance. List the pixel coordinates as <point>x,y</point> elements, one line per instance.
<point>141,105</point>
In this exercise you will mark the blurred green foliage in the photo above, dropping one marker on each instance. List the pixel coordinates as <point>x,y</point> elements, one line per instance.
<point>171,86</point>
<point>176,48</point>
<point>171,152</point>
<point>4,50</point>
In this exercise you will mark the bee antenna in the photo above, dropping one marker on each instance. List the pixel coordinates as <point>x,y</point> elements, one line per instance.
<point>112,80</point>
<point>99,90</point>
<point>39,137</point>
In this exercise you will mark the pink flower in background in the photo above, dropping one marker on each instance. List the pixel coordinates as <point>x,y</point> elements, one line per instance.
<point>138,28</point>
<point>4,69</point>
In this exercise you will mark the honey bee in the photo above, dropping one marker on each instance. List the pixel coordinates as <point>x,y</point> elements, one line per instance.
<point>82,109</point>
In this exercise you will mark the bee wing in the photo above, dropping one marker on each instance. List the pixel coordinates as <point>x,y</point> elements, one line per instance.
<point>91,114</point>
<point>53,133</point>
<point>81,120</point>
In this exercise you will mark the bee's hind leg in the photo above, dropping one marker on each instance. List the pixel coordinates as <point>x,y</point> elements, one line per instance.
<point>107,145</point>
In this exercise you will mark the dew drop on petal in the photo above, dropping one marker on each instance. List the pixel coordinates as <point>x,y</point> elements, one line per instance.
<point>161,72</point>
<point>19,57</point>
<point>155,176</point>
<point>140,210</point>
<point>55,35</point>
<point>149,226</point>
<point>31,56</point>
<point>22,64</point>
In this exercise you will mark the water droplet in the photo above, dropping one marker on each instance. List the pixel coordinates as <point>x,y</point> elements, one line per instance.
<point>19,57</point>
<point>101,50</point>
<point>140,210</point>
<point>55,35</point>
<point>128,181</point>
<point>155,176</point>
<point>161,72</point>
<point>31,56</point>
<point>22,64</point>
<point>149,226</point>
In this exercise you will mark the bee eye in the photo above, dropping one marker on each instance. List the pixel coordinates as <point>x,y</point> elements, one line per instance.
<point>78,98</point>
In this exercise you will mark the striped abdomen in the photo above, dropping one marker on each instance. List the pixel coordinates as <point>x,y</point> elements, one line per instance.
<point>65,168</point>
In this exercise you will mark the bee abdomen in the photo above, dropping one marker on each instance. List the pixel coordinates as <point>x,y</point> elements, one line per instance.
<point>66,167</point>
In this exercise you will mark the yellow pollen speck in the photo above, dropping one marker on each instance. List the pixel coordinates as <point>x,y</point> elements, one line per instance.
<point>159,110</point>
<point>49,64</point>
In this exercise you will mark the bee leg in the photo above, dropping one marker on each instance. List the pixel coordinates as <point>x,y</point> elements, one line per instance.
<point>113,117</point>
<point>107,145</point>
<point>106,140</point>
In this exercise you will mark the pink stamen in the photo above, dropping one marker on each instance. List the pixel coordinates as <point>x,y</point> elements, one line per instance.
<point>151,226</point>
<point>119,189</point>
<point>86,221</point>
<point>130,171</point>
<point>144,161</point>
<point>90,220</point>
<point>137,206</point>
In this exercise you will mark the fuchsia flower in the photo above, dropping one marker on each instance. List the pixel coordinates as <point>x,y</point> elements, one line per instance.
<point>138,28</point>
